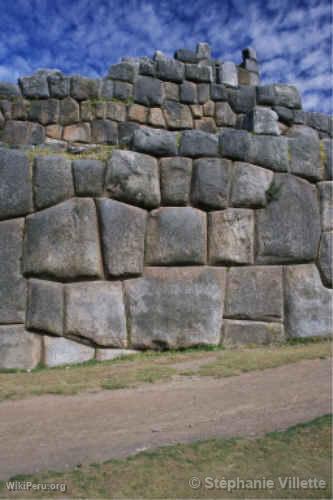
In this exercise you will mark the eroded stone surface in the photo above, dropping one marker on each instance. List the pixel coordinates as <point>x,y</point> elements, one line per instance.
<point>19,349</point>
<point>175,180</point>
<point>210,185</point>
<point>53,181</point>
<point>325,260</point>
<point>326,205</point>
<point>155,142</point>
<point>60,351</point>
<point>45,309</point>
<point>305,158</point>
<point>250,185</point>
<point>238,332</point>
<point>88,177</point>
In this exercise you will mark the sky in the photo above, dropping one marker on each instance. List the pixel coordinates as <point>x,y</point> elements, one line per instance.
<point>293,38</point>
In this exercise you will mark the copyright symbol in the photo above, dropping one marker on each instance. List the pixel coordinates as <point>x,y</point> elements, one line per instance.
<point>194,483</point>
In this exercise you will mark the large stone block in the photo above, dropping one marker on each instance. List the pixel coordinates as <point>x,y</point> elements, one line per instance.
<point>242,99</point>
<point>288,229</point>
<point>269,151</point>
<point>104,132</point>
<point>195,143</point>
<point>326,204</point>
<point>59,85</point>
<point>176,176</point>
<point>60,351</point>
<point>69,111</point>
<point>122,90</point>
<point>9,90</point>
<point>308,310</point>
<point>123,71</point>
<point>45,111</point>
<point>12,284</point>
<point>170,69</point>
<point>196,73</point>
<point>176,307</point>
<point>53,180</point>
<point>176,235</point>
<point>84,88</point>
<point>325,259</point>
<point>238,332</point>
<point>224,115</point>
<point>19,349</point>
<point>255,293</point>
<point>35,86</point>
<point>79,132</point>
<point>148,91</point>
<point>227,74</point>
<point>62,241</point>
<point>133,178</point>
<point>123,233</point>
<point>305,158</point>
<point>157,142</point>
<point>178,116</point>
<point>15,184</point>
<point>88,177</point>
<point>279,95</point>
<point>23,133</point>
<point>210,185</point>
<point>45,309</point>
<point>262,120</point>
<point>250,185</point>
<point>326,150</point>
<point>96,311</point>
<point>188,92</point>
<point>231,236</point>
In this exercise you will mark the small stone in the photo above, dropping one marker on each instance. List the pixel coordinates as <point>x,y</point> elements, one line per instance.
<point>262,121</point>
<point>279,95</point>
<point>60,351</point>
<point>69,111</point>
<point>100,110</point>
<point>115,111</point>
<point>197,110</point>
<point>137,113</point>
<point>19,349</point>
<point>251,65</point>
<point>124,71</point>
<point>238,333</point>
<point>176,236</point>
<point>250,185</point>
<point>84,88</point>
<point>88,177</point>
<point>80,132</point>
<point>175,180</point>
<point>196,143</point>
<point>326,205</point>
<point>23,133</point>
<point>227,74</point>
<point>148,91</point>
<point>326,258</point>
<point>224,116</point>
<point>104,132</point>
<point>156,118</point>
<point>177,116</point>
<point>210,183</point>
<point>198,73</point>
<point>134,178</point>
<point>231,236</point>
<point>188,92</point>
<point>53,181</point>
<point>155,142</point>
<point>170,69</point>
<point>45,310</point>
<point>59,85</point>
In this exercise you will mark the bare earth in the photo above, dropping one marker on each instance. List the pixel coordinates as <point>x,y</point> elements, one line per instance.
<point>59,432</point>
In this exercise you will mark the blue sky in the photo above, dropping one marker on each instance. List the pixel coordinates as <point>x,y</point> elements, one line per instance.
<point>292,37</point>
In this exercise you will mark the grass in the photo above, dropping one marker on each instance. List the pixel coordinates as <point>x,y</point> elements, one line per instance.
<point>302,451</point>
<point>152,367</point>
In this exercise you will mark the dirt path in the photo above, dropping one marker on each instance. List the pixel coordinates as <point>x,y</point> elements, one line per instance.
<point>56,432</point>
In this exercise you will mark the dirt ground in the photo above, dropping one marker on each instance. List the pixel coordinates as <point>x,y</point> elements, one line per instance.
<point>59,432</point>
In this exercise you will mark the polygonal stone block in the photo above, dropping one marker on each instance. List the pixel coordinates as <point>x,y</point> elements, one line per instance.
<point>123,233</point>
<point>176,307</point>
<point>62,241</point>
<point>15,184</point>
<point>23,133</point>
<point>255,293</point>
<point>308,311</point>
<point>122,90</point>
<point>196,73</point>
<point>133,178</point>
<point>12,283</point>
<point>176,236</point>
<point>53,180</point>
<point>196,143</point>
<point>155,141</point>
<point>123,71</point>
<point>170,69</point>
<point>279,95</point>
<point>188,92</point>
<point>227,74</point>
<point>177,115</point>
<point>231,236</point>
<point>69,111</point>
<point>84,88</point>
<point>262,120</point>
<point>210,184</point>
<point>9,90</point>
<point>238,332</point>
<point>326,204</point>
<point>326,153</point>
<point>19,349</point>
<point>325,258</point>
<point>104,132</point>
<point>176,176</point>
<point>45,309</point>
<point>35,86</point>
<point>269,151</point>
<point>250,185</point>
<point>242,99</point>
<point>288,229</point>
<point>59,85</point>
<point>224,115</point>
<point>96,311</point>
<point>80,132</point>
<point>60,351</point>
<point>88,177</point>
<point>148,91</point>
<point>305,158</point>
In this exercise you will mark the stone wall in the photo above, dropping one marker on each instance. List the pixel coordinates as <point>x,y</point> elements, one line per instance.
<point>174,203</point>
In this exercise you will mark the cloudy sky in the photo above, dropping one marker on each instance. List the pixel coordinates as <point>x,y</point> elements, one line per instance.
<point>292,37</point>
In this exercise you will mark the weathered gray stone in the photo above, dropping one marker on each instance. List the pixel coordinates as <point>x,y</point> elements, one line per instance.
<point>122,90</point>
<point>305,158</point>
<point>6,108</point>
<point>9,90</point>
<point>224,115</point>
<point>326,205</point>
<point>110,354</point>
<point>62,241</point>
<point>60,351</point>
<point>126,132</point>
<point>255,293</point>
<point>319,121</point>
<point>210,184</point>
<point>286,115</point>
<point>84,88</point>
<point>133,178</point>
<point>250,184</point>
<point>249,53</point>
<point>176,176</point>
<point>148,91</point>
<point>115,111</point>
<point>288,229</point>
<point>87,111</point>
<point>35,86</point>
<point>104,132</point>
<point>156,118</point>
<point>251,65</point>
<point>196,143</point>
<point>186,56</point>
<point>79,132</point>
<point>242,99</point>
<point>279,95</point>
<point>188,92</point>
<point>155,141</point>
<point>177,116</point>
<point>147,66</point>
<point>246,77</point>
<point>45,309</point>
<point>238,332</point>
<point>198,73</point>
<point>171,90</point>
<point>176,235</point>
<point>308,310</point>
<point>23,133</point>
<point>137,113</point>
<point>303,131</point>
<point>123,71</point>
<point>59,85</point>
<point>231,236</point>
<point>170,69</point>
<point>206,124</point>
<point>96,311</point>
<point>176,307</point>
<point>262,120</point>
<point>12,284</point>
<point>106,89</point>
<point>269,151</point>
<point>218,92</point>
<point>123,233</point>
<point>227,74</point>
<point>15,184</point>
<point>326,153</point>
<point>53,180</point>
<point>19,349</point>
<point>45,111</point>
<point>88,177</point>
<point>203,50</point>
<point>325,258</point>
<point>20,108</point>
<point>235,144</point>
<point>69,111</point>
